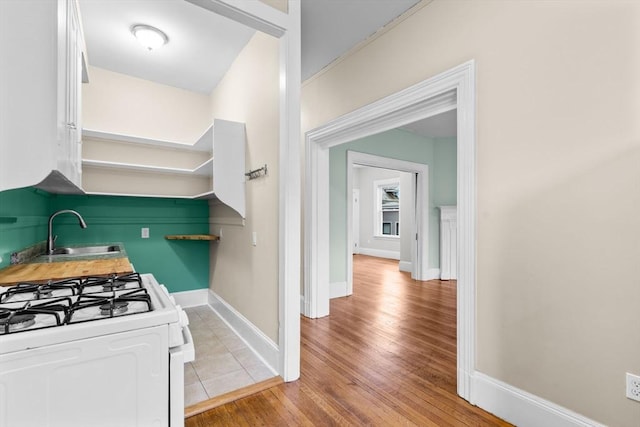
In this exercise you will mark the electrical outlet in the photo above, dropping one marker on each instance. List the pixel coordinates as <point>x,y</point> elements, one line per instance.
<point>633,387</point>
<point>144,233</point>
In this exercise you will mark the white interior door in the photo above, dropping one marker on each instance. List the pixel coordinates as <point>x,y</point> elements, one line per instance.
<point>356,221</point>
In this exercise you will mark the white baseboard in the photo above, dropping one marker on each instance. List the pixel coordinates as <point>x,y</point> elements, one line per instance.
<point>261,344</point>
<point>191,298</point>
<point>433,274</point>
<point>405,266</point>
<point>380,253</point>
<point>337,289</point>
<point>521,408</point>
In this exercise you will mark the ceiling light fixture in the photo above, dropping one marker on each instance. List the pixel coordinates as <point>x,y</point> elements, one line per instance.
<point>149,37</point>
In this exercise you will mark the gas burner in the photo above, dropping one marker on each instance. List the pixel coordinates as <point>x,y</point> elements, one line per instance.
<point>36,291</point>
<point>114,284</point>
<point>96,306</point>
<point>19,322</point>
<point>111,283</point>
<point>114,308</point>
<point>17,317</point>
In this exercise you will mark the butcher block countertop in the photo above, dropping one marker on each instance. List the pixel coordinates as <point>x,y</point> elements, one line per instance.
<point>40,270</point>
<point>62,270</point>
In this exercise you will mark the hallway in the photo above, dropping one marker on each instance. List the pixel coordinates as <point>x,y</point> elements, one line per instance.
<point>385,356</point>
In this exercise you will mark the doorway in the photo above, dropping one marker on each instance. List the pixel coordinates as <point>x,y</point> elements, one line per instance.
<point>419,220</point>
<point>452,89</point>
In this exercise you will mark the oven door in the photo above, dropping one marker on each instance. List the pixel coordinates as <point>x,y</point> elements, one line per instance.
<point>112,380</point>
<point>178,356</point>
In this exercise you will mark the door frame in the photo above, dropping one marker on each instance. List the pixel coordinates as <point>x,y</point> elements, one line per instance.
<point>454,88</point>
<point>355,195</point>
<point>420,221</point>
<point>286,28</point>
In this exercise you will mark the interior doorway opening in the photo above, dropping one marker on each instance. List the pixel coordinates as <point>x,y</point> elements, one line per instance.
<point>454,88</point>
<point>416,231</point>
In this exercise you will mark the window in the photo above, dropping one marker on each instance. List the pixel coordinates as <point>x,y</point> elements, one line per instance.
<point>387,222</point>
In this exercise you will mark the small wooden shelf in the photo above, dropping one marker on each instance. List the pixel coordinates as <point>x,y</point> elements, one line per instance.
<point>192,237</point>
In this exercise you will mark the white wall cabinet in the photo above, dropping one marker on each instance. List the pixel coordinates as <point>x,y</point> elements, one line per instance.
<point>42,50</point>
<point>126,165</point>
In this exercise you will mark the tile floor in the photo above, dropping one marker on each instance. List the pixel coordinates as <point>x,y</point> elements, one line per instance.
<point>223,361</point>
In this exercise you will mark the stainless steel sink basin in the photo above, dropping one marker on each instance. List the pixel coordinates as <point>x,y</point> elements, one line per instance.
<point>86,250</point>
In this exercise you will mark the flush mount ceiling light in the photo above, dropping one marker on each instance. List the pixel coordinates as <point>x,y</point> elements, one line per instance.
<point>149,37</point>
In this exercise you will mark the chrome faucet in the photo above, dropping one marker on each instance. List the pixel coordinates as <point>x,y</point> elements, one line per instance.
<point>50,238</point>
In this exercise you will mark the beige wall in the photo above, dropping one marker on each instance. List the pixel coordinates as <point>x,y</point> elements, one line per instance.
<point>558,200</point>
<point>114,102</point>
<point>246,276</point>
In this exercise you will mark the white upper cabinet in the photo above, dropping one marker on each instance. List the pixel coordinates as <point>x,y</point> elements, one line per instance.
<point>42,50</point>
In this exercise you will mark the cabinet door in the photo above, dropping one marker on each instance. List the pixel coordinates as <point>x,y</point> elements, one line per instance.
<point>71,153</point>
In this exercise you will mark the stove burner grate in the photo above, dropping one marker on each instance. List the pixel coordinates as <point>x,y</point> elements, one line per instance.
<point>111,283</point>
<point>41,291</point>
<point>114,308</point>
<point>109,305</point>
<point>23,318</point>
<point>21,321</point>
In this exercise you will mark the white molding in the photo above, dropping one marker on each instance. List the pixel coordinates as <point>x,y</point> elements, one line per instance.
<point>432,274</point>
<point>521,408</point>
<point>420,218</point>
<point>448,243</point>
<point>191,298</point>
<point>261,344</point>
<point>380,253</point>
<point>405,266</point>
<point>338,289</point>
<point>454,88</point>
<point>285,26</point>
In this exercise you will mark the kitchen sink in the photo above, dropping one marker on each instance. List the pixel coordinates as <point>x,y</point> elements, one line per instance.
<point>86,250</point>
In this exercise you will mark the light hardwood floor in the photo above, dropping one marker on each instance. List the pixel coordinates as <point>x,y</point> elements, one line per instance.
<point>386,356</point>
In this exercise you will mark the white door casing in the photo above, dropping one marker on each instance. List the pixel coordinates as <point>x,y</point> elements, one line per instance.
<point>355,223</point>
<point>285,27</point>
<point>420,226</point>
<point>454,88</point>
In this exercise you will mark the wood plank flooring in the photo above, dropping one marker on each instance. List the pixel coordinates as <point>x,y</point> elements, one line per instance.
<point>386,356</point>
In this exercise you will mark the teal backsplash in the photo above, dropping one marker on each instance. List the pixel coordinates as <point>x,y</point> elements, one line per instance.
<point>180,265</point>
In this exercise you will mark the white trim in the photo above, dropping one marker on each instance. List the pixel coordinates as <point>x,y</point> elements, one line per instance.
<point>451,89</point>
<point>285,26</point>
<point>405,266</point>
<point>419,217</point>
<point>432,274</point>
<point>338,289</point>
<point>261,344</point>
<point>191,298</point>
<point>521,408</point>
<point>380,253</point>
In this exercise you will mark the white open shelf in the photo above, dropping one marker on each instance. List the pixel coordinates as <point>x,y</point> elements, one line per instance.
<point>156,168</point>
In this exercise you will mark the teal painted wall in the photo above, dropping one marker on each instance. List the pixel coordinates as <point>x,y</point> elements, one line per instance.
<point>439,154</point>
<point>23,220</point>
<point>180,265</point>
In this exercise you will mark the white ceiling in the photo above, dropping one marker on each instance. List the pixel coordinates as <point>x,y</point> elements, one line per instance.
<point>202,45</point>
<point>331,27</point>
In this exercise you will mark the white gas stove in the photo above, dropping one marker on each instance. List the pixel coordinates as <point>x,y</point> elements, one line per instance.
<point>96,351</point>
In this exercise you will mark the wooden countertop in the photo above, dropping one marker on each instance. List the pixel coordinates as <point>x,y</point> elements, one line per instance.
<point>35,272</point>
